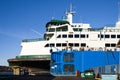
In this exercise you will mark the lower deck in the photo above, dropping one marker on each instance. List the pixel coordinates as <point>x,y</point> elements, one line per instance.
<point>33,66</point>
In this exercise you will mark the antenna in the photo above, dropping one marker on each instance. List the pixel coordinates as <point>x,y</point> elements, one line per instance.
<point>70,7</point>
<point>66,12</point>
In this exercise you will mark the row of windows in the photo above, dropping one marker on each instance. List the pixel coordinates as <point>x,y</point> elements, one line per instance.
<point>65,44</point>
<point>76,25</point>
<point>77,29</point>
<point>87,36</point>
<point>110,45</point>
<point>76,45</point>
<point>73,36</point>
<point>108,36</point>
<point>64,28</point>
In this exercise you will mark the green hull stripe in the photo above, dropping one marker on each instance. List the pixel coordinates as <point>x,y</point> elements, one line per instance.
<point>33,56</point>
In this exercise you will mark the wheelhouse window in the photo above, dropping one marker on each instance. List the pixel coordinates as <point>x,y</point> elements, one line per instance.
<point>68,68</point>
<point>63,28</point>
<point>68,57</point>
<point>75,29</point>
<point>52,30</point>
<point>58,29</point>
<point>64,36</point>
<point>80,29</point>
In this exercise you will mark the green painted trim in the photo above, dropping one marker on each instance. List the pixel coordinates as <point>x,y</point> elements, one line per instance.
<point>57,22</point>
<point>32,40</point>
<point>34,56</point>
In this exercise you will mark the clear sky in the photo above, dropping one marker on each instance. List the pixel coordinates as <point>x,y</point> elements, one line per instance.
<point>18,19</point>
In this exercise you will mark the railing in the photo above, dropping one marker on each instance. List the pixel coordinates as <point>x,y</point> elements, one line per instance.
<point>92,29</point>
<point>86,30</point>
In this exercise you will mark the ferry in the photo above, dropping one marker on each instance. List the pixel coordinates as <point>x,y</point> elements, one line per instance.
<point>59,33</point>
<point>63,33</point>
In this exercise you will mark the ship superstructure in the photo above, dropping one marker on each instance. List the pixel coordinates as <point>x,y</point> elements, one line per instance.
<point>61,33</point>
<point>78,35</point>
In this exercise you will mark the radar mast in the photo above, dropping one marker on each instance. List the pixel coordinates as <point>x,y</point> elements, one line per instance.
<point>69,14</point>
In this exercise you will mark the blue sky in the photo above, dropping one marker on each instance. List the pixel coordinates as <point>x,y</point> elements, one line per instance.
<point>18,19</point>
